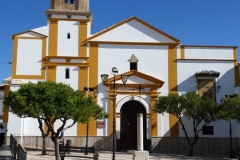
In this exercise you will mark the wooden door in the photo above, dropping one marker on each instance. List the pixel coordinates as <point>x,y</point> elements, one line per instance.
<point>128,132</point>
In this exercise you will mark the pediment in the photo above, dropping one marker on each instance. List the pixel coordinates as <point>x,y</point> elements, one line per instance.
<point>136,78</point>
<point>30,34</point>
<point>133,30</point>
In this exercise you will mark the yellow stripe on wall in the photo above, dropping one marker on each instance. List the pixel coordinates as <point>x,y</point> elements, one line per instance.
<point>173,88</point>
<point>5,112</point>
<point>154,117</point>
<point>53,48</point>
<point>83,36</point>
<point>93,80</point>
<point>83,81</point>
<point>182,52</point>
<point>236,66</point>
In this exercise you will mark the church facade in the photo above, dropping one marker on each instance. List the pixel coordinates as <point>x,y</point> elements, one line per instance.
<point>157,64</point>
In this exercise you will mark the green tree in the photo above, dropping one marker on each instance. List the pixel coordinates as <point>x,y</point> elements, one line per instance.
<point>200,111</point>
<point>230,108</point>
<point>48,102</point>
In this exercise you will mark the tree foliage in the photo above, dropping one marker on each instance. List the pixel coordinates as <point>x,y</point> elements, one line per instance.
<point>49,102</point>
<point>198,110</point>
<point>230,108</point>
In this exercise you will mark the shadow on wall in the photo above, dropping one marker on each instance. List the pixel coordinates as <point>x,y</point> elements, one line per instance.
<point>204,145</point>
<point>190,83</point>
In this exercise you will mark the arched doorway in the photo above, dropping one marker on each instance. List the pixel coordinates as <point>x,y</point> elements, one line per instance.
<point>128,128</point>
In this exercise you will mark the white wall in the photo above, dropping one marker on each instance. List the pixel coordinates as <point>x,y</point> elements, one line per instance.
<point>68,47</point>
<point>73,81</point>
<point>187,82</point>
<point>153,61</point>
<point>133,31</point>
<point>29,57</point>
<point>208,53</point>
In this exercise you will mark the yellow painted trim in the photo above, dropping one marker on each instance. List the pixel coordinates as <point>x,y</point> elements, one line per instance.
<point>131,43</point>
<point>32,38</point>
<point>53,38</point>
<point>236,66</point>
<point>64,57</point>
<point>69,19</point>
<point>154,117</point>
<point>140,21</point>
<point>67,64</point>
<point>15,54</point>
<point>157,81</point>
<point>83,81</point>
<point>209,46</point>
<point>182,52</point>
<point>93,81</point>
<point>206,59</point>
<point>173,87</point>
<point>18,34</point>
<point>53,48</point>
<point>5,111</point>
<point>83,36</point>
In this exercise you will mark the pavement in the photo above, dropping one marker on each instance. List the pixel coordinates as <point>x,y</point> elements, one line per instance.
<point>5,154</point>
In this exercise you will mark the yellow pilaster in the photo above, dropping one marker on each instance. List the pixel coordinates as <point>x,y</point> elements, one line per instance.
<point>83,81</point>
<point>53,48</point>
<point>236,66</point>
<point>83,36</point>
<point>93,81</point>
<point>5,112</point>
<point>154,117</point>
<point>182,52</point>
<point>173,88</point>
<point>111,113</point>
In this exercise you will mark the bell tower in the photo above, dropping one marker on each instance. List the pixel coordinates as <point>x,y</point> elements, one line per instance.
<point>69,8</point>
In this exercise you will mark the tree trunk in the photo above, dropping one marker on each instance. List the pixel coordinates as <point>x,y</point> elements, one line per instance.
<point>44,145</point>
<point>190,152</point>
<point>56,146</point>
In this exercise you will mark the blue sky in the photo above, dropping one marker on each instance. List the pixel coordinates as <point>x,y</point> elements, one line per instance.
<point>198,22</point>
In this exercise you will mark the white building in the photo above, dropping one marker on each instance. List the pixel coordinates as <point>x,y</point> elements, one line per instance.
<point>65,51</point>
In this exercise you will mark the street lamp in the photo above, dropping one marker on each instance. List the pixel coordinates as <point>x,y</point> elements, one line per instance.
<point>88,89</point>
<point>124,80</point>
<point>230,129</point>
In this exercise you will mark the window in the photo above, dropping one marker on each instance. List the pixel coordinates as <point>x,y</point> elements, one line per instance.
<point>67,73</point>
<point>68,36</point>
<point>133,62</point>
<point>70,1</point>
<point>207,130</point>
<point>133,65</point>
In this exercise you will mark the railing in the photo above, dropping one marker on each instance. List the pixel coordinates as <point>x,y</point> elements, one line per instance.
<point>22,153</point>
<point>17,150</point>
<point>13,146</point>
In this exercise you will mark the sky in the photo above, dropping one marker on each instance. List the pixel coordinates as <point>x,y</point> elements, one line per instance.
<point>196,22</point>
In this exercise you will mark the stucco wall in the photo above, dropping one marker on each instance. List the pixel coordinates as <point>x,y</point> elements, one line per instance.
<point>68,47</point>
<point>29,57</point>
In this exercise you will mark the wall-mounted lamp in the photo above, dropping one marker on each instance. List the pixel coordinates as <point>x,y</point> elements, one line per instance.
<point>218,88</point>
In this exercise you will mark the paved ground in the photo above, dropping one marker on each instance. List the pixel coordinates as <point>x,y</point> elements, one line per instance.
<point>36,155</point>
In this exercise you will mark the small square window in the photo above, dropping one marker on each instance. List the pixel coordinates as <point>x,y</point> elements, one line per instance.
<point>68,36</point>
<point>207,130</point>
<point>67,73</point>
<point>133,66</point>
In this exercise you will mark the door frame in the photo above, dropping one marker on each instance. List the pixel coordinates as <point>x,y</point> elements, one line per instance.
<point>118,117</point>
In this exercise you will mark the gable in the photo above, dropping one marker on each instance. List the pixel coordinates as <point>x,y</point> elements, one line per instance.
<point>133,30</point>
<point>136,80</point>
<point>30,33</point>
